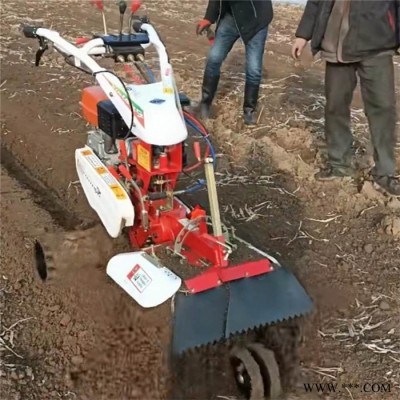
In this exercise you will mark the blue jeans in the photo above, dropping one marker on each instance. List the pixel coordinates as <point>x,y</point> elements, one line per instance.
<point>226,36</point>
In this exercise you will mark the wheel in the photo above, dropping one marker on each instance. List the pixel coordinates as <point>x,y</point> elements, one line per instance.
<point>60,255</point>
<point>247,373</point>
<point>269,369</point>
<point>41,262</point>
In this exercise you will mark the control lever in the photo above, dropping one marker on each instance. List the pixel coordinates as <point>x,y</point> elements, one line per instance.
<point>135,5</point>
<point>99,4</point>
<point>122,8</point>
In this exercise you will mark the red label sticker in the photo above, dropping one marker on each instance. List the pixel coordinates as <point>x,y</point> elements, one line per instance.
<point>139,278</point>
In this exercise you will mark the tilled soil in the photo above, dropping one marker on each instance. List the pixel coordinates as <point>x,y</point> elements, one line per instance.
<point>85,339</point>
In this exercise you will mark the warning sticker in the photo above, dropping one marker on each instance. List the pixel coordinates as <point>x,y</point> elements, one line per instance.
<point>105,174</point>
<point>139,278</point>
<point>119,193</point>
<point>101,170</point>
<point>144,158</point>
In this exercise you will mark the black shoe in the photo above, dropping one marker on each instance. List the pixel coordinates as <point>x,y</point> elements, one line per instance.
<point>209,88</point>
<point>250,103</point>
<point>335,173</point>
<point>388,184</point>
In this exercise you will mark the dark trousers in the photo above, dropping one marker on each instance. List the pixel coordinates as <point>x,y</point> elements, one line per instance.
<point>226,36</point>
<point>379,98</point>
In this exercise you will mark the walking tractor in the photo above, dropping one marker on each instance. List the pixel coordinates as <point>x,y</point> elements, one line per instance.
<point>130,170</point>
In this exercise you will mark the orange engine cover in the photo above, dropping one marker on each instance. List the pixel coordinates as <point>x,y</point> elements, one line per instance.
<point>91,96</point>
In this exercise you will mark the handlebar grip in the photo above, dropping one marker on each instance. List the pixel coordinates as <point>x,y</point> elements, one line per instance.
<point>137,25</point>
<point>29,31</point>
<point>138,21</point>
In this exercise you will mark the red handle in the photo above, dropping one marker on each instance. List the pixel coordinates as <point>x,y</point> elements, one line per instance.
<point>135,5</point>
<point>98,3</point>
<point>197,150</point>
<point>81,40</point>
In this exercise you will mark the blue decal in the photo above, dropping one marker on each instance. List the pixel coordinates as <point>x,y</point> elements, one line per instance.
<point>157,101</point>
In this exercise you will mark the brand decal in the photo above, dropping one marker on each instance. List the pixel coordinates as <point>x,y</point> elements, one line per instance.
<point>137,110</point>
<point>157,101</point>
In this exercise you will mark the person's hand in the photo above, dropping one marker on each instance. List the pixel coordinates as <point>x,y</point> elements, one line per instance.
<point>202,26</point>
<point>298,47</point>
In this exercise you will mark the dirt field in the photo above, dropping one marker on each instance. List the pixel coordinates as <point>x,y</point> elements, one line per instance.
<point>86,339</point>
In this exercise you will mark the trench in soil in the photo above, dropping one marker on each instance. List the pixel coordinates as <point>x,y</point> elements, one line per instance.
<point>208,364</point>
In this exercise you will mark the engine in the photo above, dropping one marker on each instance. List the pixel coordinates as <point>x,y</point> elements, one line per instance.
<point>108,125</point>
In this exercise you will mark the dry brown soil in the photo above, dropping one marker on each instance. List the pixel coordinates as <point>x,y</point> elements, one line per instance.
<point>86,339</point>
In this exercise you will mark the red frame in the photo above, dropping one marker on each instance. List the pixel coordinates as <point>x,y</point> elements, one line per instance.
<point>167,217</point>
<point>199,245</point>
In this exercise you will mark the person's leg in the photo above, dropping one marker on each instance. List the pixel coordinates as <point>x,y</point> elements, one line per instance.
<point>225,37</point>
<point>254,66</point>
<point>340,82</point>
<point>378,92</point>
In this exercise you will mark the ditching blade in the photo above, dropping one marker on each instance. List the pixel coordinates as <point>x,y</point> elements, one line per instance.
<point>237,306</point>
<point>264,300</point>
<point>199,319</point>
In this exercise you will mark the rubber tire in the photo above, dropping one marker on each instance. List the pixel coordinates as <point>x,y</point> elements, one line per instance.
<point>253,370</point>
<point>44,263</point>
<point>269,368</point>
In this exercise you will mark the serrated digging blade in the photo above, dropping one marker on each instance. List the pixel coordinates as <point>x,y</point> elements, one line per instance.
<point>199,319</point>
<point>266,299</point>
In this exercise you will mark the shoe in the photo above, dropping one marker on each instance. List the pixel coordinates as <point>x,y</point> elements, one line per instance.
<point>250,103</point>
<point>209,88</point>
<point>389,184</point>
<point>335,173</point>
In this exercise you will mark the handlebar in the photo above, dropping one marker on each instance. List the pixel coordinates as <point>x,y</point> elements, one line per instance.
<point>82,58</point>
<point>99,45</point>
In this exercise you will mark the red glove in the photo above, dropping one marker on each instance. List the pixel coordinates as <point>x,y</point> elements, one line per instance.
<point>202,26</point>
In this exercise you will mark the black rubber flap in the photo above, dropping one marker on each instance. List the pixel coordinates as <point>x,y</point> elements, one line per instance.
<point>272,297</point>
<point>199,319</point>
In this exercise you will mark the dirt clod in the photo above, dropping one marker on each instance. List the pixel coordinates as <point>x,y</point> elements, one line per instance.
<point>384,306</point>
<point>65,320</point>
<point>77,360</point>
<point>369,248</point>
<point>394,204</point>
<point>369,191</point>
<point>391,225</point>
